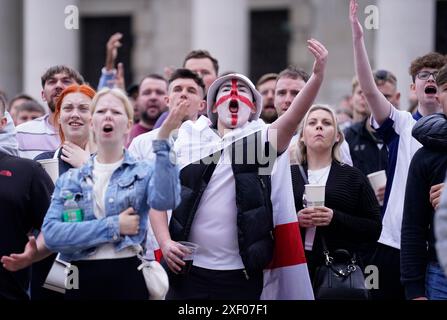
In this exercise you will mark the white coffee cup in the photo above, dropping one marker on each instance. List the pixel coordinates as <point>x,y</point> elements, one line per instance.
<point>51,166</point>
<point>314,194</point>
<point>377,180</point>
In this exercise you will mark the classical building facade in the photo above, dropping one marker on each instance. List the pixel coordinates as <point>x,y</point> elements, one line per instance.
<point>248,36</point>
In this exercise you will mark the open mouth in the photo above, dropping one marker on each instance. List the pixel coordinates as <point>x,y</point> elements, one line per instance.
<point>431,90</point>
<point>233,106</point>
<point>75,124</point>
<point>107,128</point>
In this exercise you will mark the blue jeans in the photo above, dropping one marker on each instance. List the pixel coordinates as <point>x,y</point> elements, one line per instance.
<point>435,282</point>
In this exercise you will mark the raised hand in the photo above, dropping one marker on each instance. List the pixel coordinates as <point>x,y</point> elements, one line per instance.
<point>74,155</point>
<point>119,78</point>
<point>112,50</point>
<point>177,114</point>
<point>18,261</point>
<point>320,53</point>
<point>129,222</point>
<point>357,30</point>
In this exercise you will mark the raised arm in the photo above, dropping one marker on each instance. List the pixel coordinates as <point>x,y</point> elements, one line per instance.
<point>109,75</point>
<point>286,125</point>
<point>379,105</point>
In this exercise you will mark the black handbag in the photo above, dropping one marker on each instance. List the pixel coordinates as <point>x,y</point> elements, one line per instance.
<point>340,277</point>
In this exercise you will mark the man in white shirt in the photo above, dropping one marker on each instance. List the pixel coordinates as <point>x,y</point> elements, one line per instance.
<point>41,134</point>
<point>186,88</point>
<point>219,209</point>
<point>395,127</point>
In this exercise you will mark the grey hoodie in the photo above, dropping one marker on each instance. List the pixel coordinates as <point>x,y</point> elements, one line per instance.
<point>8,141</point>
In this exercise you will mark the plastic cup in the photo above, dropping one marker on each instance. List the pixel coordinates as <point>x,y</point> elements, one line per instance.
<point>377,180</point>
<point>315,195</point>
<point>51,166</point>
<point>189,257</point>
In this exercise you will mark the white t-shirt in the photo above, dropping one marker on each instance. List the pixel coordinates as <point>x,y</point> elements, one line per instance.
<point>141,146</point>
<point>215,223</point>
<point>398,171</point>
<point>101,177</point>
<point>141,149</point>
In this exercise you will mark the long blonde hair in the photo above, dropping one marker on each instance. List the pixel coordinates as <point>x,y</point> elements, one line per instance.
<point>298,151</point>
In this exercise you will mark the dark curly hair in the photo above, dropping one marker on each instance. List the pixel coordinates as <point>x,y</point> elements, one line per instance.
<point>433,60</point>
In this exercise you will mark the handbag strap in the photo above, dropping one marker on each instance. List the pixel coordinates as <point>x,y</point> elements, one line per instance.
<point>329,259</point>
<point>303,174</point>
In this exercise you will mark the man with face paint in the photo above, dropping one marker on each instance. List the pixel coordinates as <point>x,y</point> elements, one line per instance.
<point>229,202</point>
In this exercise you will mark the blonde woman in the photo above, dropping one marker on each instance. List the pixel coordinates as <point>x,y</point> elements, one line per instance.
<point>350,217</point>
<point>115,193</point>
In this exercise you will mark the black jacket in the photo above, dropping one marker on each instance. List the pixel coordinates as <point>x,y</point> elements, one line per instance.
<point>368,152</point>
<point>254,208</point>
<point>25,191</point>
<point>355,225</point>
<point>427,168</point>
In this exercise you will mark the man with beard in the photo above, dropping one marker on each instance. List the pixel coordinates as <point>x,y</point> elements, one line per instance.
<point>151,103</point>
<point>40,135</point>
<point>266,86</point>
<point>185,87</point>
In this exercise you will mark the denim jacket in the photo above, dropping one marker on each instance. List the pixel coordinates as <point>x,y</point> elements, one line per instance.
<point>141,185</point>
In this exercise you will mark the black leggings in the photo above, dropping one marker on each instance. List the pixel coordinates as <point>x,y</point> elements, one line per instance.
<point>115,279</point>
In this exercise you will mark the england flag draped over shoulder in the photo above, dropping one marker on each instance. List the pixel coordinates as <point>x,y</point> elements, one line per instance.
<point>287,277</point>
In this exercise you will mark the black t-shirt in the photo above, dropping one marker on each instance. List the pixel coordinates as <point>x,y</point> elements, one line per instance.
<point>25,191</point>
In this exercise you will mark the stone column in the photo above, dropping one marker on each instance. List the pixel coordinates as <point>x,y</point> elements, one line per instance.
<point>221,27</point>
<point>406,31</point>
<point>47,41</point>
<point>11,47</point>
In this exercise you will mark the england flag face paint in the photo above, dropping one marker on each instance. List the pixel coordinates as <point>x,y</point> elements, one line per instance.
<point>234,103</point>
